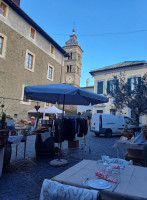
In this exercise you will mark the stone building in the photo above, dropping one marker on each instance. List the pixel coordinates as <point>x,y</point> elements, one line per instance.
<point>28,56</point>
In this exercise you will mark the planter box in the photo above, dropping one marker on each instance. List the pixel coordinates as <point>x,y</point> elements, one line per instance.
<point>127,134</point>
<point>73,144</point>
<point>134,154</point>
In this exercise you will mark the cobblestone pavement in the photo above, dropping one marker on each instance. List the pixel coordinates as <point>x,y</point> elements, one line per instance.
<point>24,177</point>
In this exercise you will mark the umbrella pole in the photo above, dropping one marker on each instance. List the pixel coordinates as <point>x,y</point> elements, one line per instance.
<point>62,126</point>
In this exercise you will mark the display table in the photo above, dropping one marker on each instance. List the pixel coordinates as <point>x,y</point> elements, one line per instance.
<point>133,180</point>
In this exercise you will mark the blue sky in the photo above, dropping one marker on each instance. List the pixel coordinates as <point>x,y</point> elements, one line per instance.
<point>109,31</point>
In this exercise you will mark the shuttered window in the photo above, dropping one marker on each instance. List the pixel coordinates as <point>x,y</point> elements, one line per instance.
<point>132,82</point>
<point>112,86</point>
<point>100,87</point>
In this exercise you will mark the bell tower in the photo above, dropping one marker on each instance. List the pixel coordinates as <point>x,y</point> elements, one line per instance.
<point>73,62</point>
<point>72,65</point>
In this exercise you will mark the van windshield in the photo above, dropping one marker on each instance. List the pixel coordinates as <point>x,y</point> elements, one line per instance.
<point>128,120</point>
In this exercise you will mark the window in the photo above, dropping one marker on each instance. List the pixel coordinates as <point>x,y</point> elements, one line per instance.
<point>30,61</point>
<point>3,9</point>
<point>24,100</point>
<point>99,111</point>
<point>1,44</point>
<point>52,49</point>
<point>133,82</point>
<point>100,87</point>
<point>69,68</point>
<point>113,111</point>
<point>112,85</point>
<point>50,73</point>
<point>32,33</point>
<point>70,56</point>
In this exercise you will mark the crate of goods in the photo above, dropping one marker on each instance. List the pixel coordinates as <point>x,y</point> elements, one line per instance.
<point>73,144</point>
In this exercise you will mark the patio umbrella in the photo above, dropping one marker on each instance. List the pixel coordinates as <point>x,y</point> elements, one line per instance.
<point>63,94</point>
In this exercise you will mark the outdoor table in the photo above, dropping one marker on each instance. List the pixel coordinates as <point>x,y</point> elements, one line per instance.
<point>133,180</point>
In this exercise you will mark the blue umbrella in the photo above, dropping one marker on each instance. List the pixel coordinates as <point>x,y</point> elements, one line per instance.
<point>63,94</point>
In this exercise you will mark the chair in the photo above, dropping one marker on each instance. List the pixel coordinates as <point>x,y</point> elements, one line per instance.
<point>144,155</point>
<point>52,190</point>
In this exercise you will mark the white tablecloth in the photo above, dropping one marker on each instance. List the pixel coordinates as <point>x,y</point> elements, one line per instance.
<point>15,139</point>
<point>45,136</point>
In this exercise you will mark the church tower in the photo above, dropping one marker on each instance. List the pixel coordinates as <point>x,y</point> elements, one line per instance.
<point>73,65</point>
<point>73,62</point>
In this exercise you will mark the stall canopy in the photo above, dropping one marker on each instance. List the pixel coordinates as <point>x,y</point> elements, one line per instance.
<point>52,109</point>
<point>63,94</point>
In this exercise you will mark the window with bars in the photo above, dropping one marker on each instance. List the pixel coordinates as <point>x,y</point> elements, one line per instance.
<point>3,9</point>
<point>1,44</point>
<point>29,61</point>
<point>32,33</point>
<point>50,73</point>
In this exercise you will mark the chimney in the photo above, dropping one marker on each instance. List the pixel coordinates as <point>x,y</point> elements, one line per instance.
<point>17,2</point>
<point>87,82</point>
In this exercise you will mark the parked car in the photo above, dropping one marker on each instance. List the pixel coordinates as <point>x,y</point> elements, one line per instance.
<point>109,124</point>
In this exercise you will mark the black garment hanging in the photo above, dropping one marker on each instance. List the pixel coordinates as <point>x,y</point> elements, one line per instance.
<point>69,129</point>
<point>58,136</point>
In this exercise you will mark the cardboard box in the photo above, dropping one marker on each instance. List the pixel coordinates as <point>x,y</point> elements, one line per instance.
<point>73,144</point>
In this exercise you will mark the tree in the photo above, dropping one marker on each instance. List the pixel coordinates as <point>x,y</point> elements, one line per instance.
<point>131,94</point>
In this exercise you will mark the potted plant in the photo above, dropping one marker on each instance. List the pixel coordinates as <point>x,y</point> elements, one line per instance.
<point>128,133</point>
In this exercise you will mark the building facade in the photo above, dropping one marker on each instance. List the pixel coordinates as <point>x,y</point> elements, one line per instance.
<point>28,56</point>
<point>103,77</point>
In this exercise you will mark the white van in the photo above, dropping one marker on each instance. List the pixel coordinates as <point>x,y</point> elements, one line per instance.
<point>109,124</point>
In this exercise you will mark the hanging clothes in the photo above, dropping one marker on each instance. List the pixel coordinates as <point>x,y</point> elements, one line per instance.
<point>58,136</point>
<point>69,129</point>
<point>82,127</point>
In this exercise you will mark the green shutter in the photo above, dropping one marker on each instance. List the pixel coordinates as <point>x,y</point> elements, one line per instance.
<point>100,87</point>
<point>108,87</point>
<point>139,80</point>
<point>117,84</point>
<point>129,84</point>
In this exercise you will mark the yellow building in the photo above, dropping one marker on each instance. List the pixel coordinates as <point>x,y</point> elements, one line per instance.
<point>103,78</point>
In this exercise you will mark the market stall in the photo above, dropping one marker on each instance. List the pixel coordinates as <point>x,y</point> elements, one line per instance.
<point>65,94</point>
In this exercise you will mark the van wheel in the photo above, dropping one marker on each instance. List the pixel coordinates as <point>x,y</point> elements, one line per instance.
<point>108,133</point>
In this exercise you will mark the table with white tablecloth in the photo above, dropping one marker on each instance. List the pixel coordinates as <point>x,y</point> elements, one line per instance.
<point>132,186</point>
